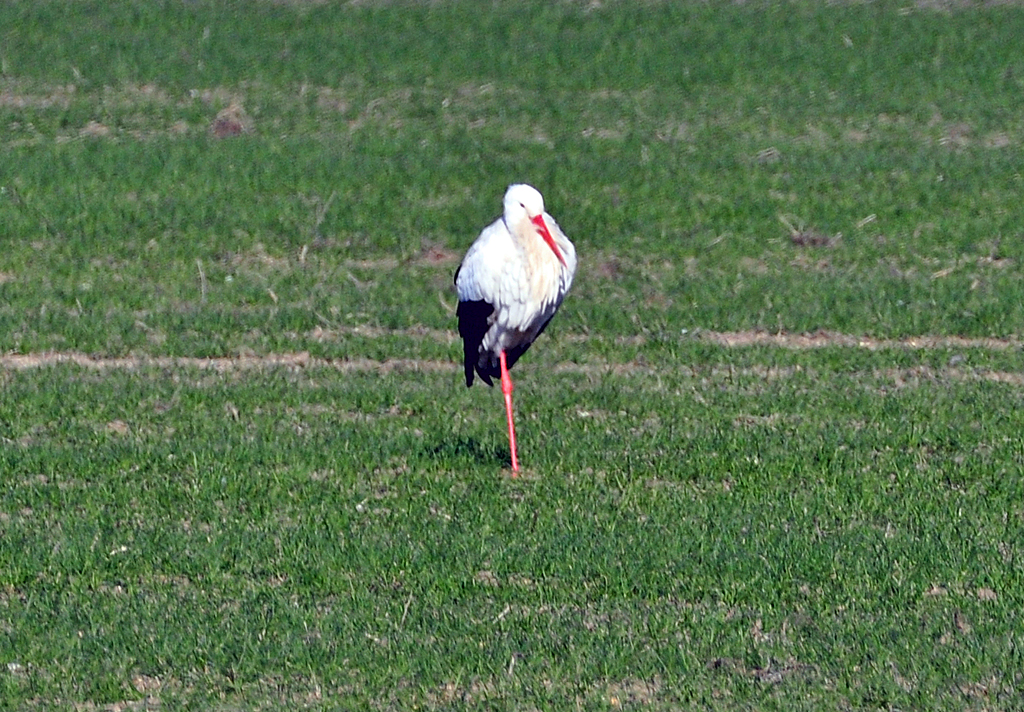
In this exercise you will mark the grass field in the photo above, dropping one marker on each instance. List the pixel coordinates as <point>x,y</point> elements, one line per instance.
<point>771,444</point>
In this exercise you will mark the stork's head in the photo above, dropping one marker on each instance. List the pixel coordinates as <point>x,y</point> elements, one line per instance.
<point>525,201</point>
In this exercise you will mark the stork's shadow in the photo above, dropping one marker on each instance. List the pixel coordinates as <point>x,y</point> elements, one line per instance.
<point>455,448</point>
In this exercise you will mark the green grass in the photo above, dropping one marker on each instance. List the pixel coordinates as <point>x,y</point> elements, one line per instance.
<point>801,537</point>
<point>382,132</point>
<point>699,526</point>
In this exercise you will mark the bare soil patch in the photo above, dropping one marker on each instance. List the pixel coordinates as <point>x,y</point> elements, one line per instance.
<point>303,359</point>
<point>297,360</point>
<point>821,339</point>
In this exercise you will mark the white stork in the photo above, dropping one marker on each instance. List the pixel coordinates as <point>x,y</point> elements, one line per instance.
<point>510,283</point>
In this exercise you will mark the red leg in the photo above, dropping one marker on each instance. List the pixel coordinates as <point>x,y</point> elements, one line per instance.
<point>506,388</point>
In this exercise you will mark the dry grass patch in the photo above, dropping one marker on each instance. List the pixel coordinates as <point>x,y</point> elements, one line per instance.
<point>15,94</point>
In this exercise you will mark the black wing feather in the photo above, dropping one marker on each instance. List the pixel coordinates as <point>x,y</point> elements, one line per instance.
<point>513,354</point>
<point>474,321</point>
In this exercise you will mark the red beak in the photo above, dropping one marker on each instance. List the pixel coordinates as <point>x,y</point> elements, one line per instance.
<point>542,228</point>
